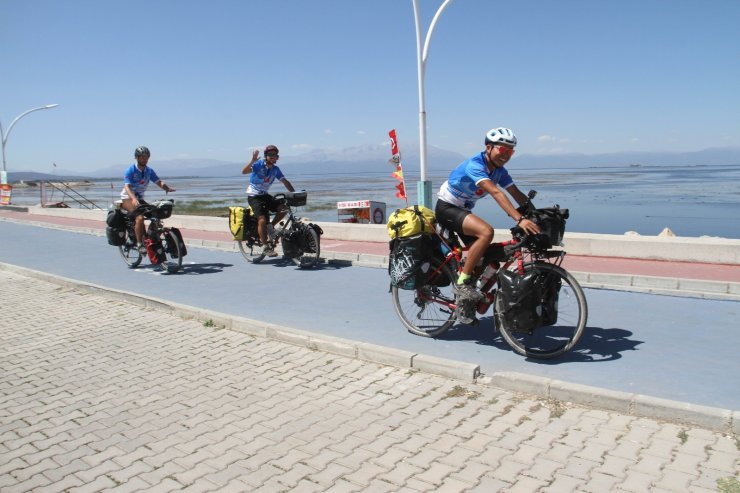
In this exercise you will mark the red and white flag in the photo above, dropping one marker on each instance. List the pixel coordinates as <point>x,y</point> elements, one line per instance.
<point>396,161</point>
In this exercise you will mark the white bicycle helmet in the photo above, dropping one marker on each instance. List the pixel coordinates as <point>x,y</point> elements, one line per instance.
<point>501,135</point>
<point>142,151</point>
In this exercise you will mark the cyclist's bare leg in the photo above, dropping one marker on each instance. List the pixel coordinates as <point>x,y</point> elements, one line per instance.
<point>262,229</point>
<point>483,232</point>
<point>279,215</point>
<point>128,205</point>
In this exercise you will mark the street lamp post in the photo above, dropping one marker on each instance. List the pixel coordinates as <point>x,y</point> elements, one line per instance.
<point>4,135</point>
<point>424,186</point>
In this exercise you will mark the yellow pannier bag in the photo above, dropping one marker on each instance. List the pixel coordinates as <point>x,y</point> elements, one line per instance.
<point>411,221</point>
<point>239,221</point>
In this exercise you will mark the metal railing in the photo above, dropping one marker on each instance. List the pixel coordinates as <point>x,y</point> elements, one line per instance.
<point>67,192</point>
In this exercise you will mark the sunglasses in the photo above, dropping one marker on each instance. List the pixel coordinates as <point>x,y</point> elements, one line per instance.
<point>272,154</point>
<point>504,151</point>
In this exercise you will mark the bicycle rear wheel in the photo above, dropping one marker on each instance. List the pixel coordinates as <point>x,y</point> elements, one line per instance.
<point>567,323</point>
<point>252,250</point>
<point>310,249</point>
<point>129,252</point>
<point>429,310</point>
<point>171,247</point>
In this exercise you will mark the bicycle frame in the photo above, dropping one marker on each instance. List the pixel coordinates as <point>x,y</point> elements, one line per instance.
<point>515,253</point>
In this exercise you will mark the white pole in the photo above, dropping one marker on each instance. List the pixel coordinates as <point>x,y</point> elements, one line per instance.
<point>424,187</point>
<point>4,135</point>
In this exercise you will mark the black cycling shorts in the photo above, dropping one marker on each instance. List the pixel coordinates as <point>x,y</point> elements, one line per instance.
<point>451,217</point>
<point>263,204</point>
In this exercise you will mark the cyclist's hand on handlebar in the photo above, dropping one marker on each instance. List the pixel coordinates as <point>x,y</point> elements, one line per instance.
<point>529,226</point>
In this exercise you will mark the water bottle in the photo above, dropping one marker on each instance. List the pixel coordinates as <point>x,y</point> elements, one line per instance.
<point>485,281</point>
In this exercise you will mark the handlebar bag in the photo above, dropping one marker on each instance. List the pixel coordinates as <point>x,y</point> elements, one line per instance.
<point>551,221</point>
<point>162,209</point>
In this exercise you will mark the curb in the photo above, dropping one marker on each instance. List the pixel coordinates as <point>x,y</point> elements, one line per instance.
<point>717,419</point>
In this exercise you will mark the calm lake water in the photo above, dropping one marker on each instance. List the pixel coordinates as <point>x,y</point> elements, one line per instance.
<point>691,201</point>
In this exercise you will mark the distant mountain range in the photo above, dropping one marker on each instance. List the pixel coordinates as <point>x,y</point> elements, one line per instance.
<point>375,159</point>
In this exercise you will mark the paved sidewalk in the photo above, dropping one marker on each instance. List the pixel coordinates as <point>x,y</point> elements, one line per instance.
<point>122,399</point>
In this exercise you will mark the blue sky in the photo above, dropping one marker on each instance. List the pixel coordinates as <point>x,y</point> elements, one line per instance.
<point>195,79</point>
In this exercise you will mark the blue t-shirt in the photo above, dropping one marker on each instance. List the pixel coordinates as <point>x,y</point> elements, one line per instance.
<point>462,186</point>
<point>262,177</point>
<point>138,180</point>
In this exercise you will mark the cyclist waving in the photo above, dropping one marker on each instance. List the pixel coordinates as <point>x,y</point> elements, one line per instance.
<point>482,174</point>
<point>263,173</point>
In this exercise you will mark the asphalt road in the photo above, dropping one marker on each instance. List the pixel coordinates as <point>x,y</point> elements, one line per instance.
<point>683,349</point>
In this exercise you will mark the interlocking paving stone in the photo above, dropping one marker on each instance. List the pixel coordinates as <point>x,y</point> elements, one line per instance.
<point>102,394</point>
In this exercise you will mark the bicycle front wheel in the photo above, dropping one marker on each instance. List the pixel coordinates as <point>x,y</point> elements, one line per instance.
<point>429,310</point>
<point>251,250</point>
<point>129,252</point>
<point>310,249</point>
<point>564,315</point>
<point>171,247</point>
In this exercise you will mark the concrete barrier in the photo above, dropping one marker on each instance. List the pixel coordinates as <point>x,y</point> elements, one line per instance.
<point>682,249</point>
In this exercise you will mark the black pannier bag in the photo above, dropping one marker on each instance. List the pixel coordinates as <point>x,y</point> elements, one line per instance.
<point>528,301</point>
<point>116,237</point>
<point>550,296</point>
<point>409,261</point>
<point>115,230</point>
<point>291,243</point>
<point>551,221</point>
<point>177,236</point>
<point>519,300</point>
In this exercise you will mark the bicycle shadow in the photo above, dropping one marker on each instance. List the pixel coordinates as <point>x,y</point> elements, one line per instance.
<point>200,269</point>
<point>323,264</point>
<point>597,344</point>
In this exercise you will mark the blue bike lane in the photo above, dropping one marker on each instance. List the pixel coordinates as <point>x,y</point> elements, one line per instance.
<point>682,349</point>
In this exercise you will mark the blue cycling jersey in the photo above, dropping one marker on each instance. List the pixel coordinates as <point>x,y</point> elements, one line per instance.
<point>262,177</point>
<point>138,180</point>
<point>461,188</point>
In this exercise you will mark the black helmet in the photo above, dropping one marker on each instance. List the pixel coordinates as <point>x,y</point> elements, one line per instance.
<point>142,151</point>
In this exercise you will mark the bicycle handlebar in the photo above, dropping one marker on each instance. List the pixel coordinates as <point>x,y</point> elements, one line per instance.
<point>145,208</point>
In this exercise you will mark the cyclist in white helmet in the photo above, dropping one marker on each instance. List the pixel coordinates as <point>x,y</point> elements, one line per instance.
<point>136,179</point>
<point>482,174</point>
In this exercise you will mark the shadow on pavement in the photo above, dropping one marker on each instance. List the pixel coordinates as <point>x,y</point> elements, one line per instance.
<point>286,262</point>
<point>596,344</point>
<point>196,269</point>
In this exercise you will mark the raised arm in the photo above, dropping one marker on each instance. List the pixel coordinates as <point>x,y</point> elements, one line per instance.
<point>248,168</point>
